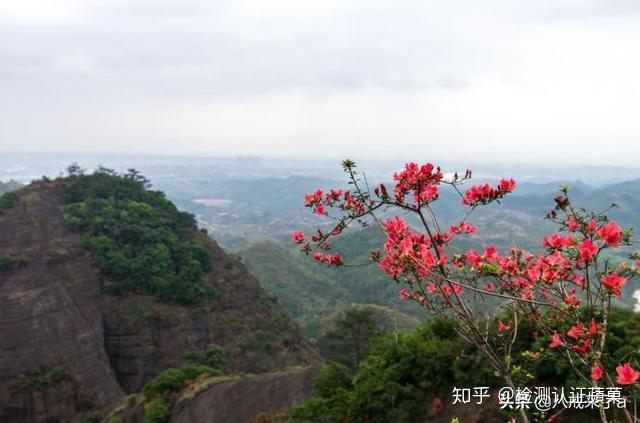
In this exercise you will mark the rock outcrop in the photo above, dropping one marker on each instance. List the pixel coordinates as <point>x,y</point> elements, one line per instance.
<point>68,348</point>
<point>247,399</point>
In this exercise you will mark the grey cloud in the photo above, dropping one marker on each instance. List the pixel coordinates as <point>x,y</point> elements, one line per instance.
<point>400,63</point>
<point>150,50</point>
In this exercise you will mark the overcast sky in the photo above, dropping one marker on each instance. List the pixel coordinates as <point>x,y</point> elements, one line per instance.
<point>491,80</point>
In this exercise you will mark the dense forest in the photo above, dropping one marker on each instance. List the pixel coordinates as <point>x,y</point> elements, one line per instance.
<point>138,237</point>
<point>408,376</point>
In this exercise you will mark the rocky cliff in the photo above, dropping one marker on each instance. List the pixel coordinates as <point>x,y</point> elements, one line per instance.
<point>68,348</point>
<point>271,395</point>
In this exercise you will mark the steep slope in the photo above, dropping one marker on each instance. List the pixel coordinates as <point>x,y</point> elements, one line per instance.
<point>310,292</point>
<point>68,347</point>
<point>387,319</point>
<point>50,316</point>
<point>144,336</point>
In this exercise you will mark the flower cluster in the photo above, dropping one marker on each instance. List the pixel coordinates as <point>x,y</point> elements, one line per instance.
<point>421,180</point>
<point>613,282</point>
<point>318,201</point>
<point>330,259</point>
<point>485,194</point>
<point>611,234</point>
<point>578,338</point>
<point>315,200</point>
<point>463,228</point>
<point>626,374</point>
<point>413,256</point>
<point>407,252</point>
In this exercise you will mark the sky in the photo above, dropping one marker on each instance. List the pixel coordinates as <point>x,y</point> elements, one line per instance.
<point>549,81</point>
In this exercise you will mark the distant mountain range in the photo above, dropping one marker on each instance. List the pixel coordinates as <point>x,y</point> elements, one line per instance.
<point>310,291</point>
<point>9,186</point>
<point>271,208</point>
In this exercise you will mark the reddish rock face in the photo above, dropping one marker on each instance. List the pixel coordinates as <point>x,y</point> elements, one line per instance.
<point>144,337</point>
<point>50,314</point>
<point>227,402</point>
<point>53,313</point>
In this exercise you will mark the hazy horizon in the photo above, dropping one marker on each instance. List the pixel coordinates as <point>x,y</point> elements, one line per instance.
<point>25,167</point>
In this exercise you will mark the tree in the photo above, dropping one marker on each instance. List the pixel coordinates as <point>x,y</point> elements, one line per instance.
<point>397,379</point>
<point>564,292</point>
<point>353,334</point>
<point>137,177</point>
<point>75,170</point>
<point>138,237</point>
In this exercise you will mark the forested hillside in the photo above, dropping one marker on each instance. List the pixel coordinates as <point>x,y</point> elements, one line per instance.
<point>105,287</point>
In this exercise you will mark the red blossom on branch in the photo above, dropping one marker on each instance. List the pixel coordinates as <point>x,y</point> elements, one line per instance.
<point>611,233</point>
<point>588,250</point>
<point>572,224</point>
<point>484,194</point>
<point>298,237</point>
<point>463,228</point>
<point>555,341</point>
<point>614,282</point>
<point>504,327</point>
<point>626,374</point>
<point>421,180</point>
<point>556,241</point>
<point>557,289</point>
<point>596,372</point>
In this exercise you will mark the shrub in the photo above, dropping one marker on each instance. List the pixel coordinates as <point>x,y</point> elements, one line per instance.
<point>58,252</point>
<point>157,411</point>
<point>131,400</point>
<point>212,356</point>
<point>37,379</point>
<point>8,200</point>
<point>173,379</point>
<point>166,382</point>
<point>160,390</point>
<point>9,263</point>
